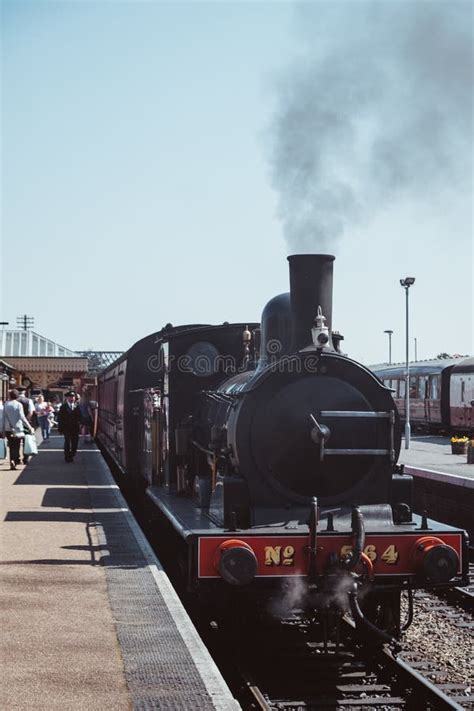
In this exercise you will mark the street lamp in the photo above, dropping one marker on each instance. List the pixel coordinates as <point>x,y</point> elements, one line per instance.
<point>389,346</point>
<point>406,283</point>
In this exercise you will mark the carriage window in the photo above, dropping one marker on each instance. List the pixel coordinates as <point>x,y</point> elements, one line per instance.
<point>434,387</point>
<point>422,387</point>
<point>401,391</point>
<point>413,386</point>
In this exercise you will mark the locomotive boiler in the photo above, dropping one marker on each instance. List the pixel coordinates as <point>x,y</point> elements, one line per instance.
<point>269,457</point>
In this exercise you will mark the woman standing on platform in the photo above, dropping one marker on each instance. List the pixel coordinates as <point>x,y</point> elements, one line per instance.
<point>43,410</point>
<point>3,444</point>
<point>86,417</point>
<point>15,424</point>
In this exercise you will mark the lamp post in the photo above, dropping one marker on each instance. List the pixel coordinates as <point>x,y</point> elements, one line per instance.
<point>389,346</point>
<point>406,283</point>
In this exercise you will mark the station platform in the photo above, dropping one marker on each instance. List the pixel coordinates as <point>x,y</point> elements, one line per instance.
<point>443,482</point>
<point>89,618</point>
<point>433,454</point>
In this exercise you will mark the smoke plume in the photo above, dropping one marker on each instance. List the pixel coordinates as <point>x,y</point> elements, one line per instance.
<point>377,106</point>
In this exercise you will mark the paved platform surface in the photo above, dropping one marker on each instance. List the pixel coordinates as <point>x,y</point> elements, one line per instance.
<point>89,618</point>
<point>433,454</point>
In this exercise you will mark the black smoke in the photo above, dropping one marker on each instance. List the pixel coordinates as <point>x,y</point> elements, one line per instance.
<point>376,106</point>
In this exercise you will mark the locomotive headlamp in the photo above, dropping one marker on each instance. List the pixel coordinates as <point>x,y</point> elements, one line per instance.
<point>236,562</point>
<point>320,332</point>
<point>435,561</point>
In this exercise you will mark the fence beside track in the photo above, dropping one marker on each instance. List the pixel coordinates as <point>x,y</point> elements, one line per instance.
<point>445,497</point>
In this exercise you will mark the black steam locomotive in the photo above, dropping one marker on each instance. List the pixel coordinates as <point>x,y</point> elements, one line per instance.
<point>270,461</point>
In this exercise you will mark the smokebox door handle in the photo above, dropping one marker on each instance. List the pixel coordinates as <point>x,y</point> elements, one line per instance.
<point>320,435</point>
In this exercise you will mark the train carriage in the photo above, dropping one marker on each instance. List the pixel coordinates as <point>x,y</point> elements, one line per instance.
<point>441,393</point>
<point>461,396</point>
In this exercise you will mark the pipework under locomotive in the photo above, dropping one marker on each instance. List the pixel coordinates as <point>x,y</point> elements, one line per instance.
<point>275,460</point>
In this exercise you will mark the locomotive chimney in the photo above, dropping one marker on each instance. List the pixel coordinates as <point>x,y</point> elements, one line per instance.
<point>310,287</point>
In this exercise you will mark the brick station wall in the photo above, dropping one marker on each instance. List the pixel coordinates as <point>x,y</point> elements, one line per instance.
<point>446,503</point>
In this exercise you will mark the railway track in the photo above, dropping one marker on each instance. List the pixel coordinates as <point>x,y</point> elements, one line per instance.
<point>389,683</point>
<point>284,670</point>
<point>461,596</point>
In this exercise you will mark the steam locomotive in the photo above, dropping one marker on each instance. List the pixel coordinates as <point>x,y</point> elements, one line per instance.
<point>268,458</point>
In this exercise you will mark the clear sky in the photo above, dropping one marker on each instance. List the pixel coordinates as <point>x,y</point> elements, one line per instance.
<point>161,160</point>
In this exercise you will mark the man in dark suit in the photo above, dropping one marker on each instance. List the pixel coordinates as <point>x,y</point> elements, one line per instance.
<point>69,422</point>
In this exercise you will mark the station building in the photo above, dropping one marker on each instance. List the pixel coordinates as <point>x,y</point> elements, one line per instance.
<point>41,364</point>
<point>21,342</point>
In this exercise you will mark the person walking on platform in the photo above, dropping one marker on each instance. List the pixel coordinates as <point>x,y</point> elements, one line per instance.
<point>28,409</point>
<point>15,424</point>
<point>69,420</point>
<point>27,402</point>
